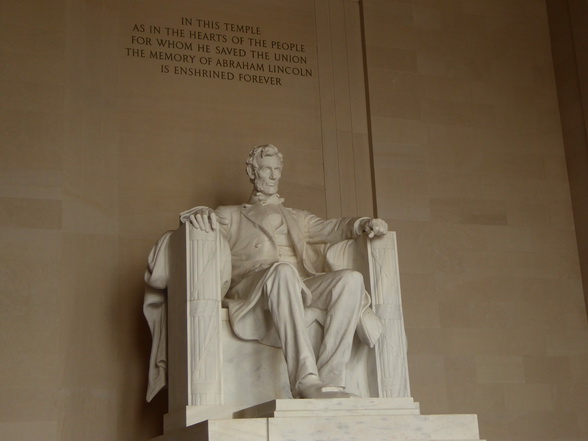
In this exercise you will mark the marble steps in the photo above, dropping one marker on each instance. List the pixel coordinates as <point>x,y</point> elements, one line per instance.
<point>350,428</point>
<point>362,419</point>
<point>332,407</point>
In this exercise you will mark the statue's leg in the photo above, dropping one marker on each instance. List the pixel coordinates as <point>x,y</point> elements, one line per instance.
<point>283,292</point>
<point>339,293</point>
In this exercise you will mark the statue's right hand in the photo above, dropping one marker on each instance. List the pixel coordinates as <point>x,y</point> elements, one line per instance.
<point>203,218</point>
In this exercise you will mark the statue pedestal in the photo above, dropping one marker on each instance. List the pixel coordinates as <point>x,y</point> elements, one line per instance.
<point>350,419</point>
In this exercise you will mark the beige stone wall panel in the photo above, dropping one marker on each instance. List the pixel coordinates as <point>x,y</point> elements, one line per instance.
<point>100,151</point>
<point>471,175</point>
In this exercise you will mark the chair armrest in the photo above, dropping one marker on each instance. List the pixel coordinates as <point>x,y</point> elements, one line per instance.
<point>391,349</point>
<point>198,280</point>
<point>377,260</point>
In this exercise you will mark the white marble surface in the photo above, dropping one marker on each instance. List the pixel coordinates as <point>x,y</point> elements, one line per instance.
<point>346,419</point>
<point>362,428</point>
<point>331,407</point>
<point>238,430</point>
<point>346,407</point>
<point>252,373</point>
<point>260,259</point>
<point>273,258</point>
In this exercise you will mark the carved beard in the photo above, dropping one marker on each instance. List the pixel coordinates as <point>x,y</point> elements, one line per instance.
<point>262,187</point>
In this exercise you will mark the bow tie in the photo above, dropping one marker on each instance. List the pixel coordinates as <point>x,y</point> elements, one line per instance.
<point>264,199</point>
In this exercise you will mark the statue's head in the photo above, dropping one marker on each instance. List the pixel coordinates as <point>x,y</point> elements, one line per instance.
<point>264,168</point>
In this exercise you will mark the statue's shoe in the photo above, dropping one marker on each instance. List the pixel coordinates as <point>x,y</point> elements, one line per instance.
<point>314,388</point>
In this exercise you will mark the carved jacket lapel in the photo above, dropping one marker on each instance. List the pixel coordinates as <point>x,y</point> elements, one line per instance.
<point>256,214</point>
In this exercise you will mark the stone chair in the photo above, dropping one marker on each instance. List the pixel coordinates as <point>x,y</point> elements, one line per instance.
<point>212,373</point>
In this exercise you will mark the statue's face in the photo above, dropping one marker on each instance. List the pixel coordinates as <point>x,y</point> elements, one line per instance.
<point>268,174</point>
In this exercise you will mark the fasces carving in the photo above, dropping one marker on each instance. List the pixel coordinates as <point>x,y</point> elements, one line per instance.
<point>386,300</point>
<point>203,262</point>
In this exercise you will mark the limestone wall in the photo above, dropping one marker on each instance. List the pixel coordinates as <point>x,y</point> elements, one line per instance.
<point>102,146</point>
<point>470,171</point>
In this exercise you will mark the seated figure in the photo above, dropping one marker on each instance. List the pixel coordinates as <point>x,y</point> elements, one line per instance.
<point>274,278</point>
<point>279,271</point>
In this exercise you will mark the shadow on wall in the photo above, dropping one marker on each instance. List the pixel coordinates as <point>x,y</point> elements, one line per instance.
<point>140,420</point>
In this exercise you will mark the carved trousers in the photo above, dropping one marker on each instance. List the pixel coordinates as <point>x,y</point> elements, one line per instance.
<point>339,294</point>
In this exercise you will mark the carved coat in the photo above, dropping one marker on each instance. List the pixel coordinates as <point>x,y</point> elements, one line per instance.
<point>254,251</point>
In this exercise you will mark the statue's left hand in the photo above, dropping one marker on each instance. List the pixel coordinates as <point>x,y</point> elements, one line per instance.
<point>374,227</point>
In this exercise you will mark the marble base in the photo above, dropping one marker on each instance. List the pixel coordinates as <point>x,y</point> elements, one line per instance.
<point>332,420</point>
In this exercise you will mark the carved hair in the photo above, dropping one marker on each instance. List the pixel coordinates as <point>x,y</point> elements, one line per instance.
<point>261,151</point>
